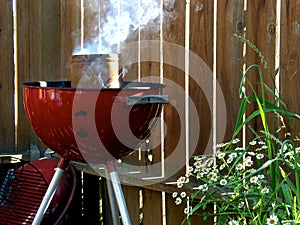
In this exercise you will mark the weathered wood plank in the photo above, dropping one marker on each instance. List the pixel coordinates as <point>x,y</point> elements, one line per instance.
<point>175,213</point>
<point>132,198</point>
<point>262,22</point>
<point>151,70</point>
<point>230,21</point>
<point>38,54</point>
<point>23,71</point>
<point>290,57</point>
<point>70,12</point>
<point>129,55</point>
<point>174,113</point>
<point>200,84</point>
<point>38,48</point>
<point>152,207</point>
<point>7,126</point>
<point>91,24</point>
<point>51,40</point>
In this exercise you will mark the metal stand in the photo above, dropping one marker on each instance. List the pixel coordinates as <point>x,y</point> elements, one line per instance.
<point>118,193</point>
<point>116,196</point>
<point>112,200</point>
<point>62,165</point>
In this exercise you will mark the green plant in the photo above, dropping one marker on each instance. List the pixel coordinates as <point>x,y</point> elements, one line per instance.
<point>255,183</point>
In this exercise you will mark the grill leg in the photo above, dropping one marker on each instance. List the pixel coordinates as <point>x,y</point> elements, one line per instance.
<point>62,165</point>
<point>112,200</point>
<point>113,176</point>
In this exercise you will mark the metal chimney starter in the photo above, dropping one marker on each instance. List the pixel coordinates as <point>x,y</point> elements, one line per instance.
<point>95,71</point>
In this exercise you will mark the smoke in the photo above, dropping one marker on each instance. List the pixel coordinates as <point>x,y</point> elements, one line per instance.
<point>122,18</point>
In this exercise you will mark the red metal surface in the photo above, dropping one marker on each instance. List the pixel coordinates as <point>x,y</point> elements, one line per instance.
<point>78,123</point>
<point>27,191</point>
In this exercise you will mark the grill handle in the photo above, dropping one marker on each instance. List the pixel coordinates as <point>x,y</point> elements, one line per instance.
<point>147,99</point>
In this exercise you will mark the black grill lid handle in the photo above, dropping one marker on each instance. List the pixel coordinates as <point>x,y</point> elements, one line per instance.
<point>147,99</point>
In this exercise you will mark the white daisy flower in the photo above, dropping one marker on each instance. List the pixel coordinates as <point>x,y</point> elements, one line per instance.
<point>235,141</point>
<point>175,194</point>
<point>199,176</point>
<point>252,143</point>
<point>272,220</point>
<point>233,222</point>
<point>221,145</point>
<point>248,161</point>
<point>183,194</point>
<point>241,204</point>
<point>205,170</point>
<point>251,153</point>
<point>179,185</point>
<point>197,164</point>
<point>222,166</point>
<point>190,169</point>
<point>254,179</point>
<point>178,201</point>
<point>223,182</point>
<point>229,160</point>
<point>220,155</point>
<point>181,179</point>
<point>260,156</point>
<point>239,166</point>
<point>264,147</point>
<point>213,176</point>
<point>233,155</point>
<point>265,190</point>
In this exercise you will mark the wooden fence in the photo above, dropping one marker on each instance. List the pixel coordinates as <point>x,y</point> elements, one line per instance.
<point>37,38</point>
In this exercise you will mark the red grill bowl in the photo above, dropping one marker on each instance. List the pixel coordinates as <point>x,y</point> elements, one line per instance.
<point>94,125</point>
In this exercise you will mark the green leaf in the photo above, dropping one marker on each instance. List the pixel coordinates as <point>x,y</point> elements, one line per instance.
<point>287,180</point>
<point>241,113</point>
<point>288,198</point>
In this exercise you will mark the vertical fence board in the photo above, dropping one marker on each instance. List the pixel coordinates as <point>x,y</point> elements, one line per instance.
<point>38,54</point>
<point>175,214</point>
<point>229,57</point>
<point>201,43</point>
<point>91,23</point>
<point>151,69</point>
<point>51,58</point>
<point>130,46</point>
<point>152,208</point>
<point>38,48</point>
<point>132,198</point>
<point>290,57</point>
<point>7,130</point>
<point>129,60</point>
<point>262,21</point>
<point>23,70</point>
<point>172,116</point>
<point>70,33</point>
